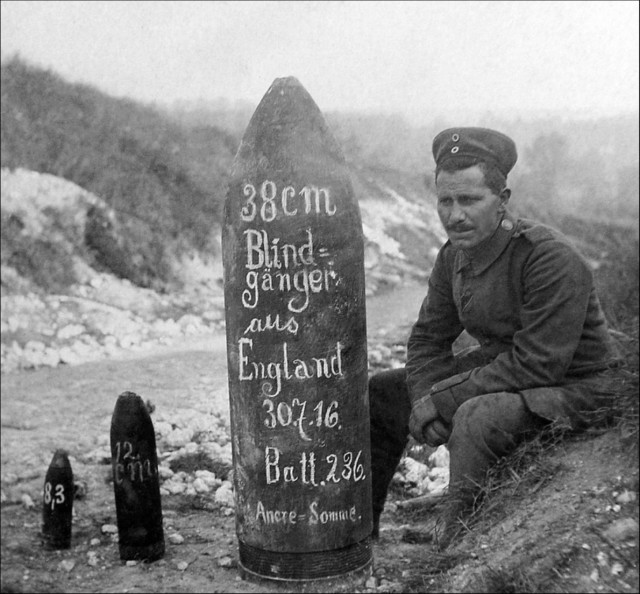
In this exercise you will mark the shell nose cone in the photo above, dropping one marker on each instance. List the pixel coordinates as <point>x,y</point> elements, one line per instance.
<point>285,81</point>
<point>60,459</point>
<point>130,409</point>
<point>287,132</point>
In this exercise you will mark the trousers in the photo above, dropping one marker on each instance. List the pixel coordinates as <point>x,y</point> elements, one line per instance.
<point>484,429</point>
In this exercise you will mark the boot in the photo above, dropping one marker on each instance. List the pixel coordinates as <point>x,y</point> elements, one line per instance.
<point>389,413</point>
<point>382,470</point>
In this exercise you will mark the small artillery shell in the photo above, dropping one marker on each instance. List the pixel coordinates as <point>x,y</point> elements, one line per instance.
<point>57,502</point>
<point>136,484</point>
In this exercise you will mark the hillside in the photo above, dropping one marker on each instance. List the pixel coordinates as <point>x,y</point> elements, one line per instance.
<point>162,173</point>
<point>164,186</point>
<point>160,184</point>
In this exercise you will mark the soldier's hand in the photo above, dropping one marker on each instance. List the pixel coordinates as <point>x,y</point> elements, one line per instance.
<point>423,413</point>
<point>436,433</point>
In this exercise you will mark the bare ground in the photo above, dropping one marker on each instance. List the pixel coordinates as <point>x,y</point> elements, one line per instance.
<point>562,518</point>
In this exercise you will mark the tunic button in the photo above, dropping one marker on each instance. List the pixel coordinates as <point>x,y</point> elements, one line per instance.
<point>506,225</point>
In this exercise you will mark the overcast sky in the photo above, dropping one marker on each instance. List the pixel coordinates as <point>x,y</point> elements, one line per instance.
<point>432,58</point>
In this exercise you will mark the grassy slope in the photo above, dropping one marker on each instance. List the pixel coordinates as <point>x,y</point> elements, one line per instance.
<point>165,185</point>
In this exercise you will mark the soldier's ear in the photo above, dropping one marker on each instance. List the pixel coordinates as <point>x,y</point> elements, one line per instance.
<point>504,196</point>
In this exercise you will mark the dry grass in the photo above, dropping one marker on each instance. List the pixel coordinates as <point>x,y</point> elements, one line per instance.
<point>501,581</point>
<point>524,471</point>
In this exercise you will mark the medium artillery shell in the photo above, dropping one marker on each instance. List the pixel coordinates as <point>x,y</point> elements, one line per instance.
<point>136,484</point>
<point>57,502</point>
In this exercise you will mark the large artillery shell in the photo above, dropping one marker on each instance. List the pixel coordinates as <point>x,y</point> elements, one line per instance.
<point>293,258</point>
<point>136,484</point>
<point>57,502</point>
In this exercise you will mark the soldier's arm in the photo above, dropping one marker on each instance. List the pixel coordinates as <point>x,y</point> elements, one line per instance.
<point>429,354</point>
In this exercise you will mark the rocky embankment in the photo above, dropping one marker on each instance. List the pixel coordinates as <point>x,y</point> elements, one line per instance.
<point>96,315</point>
<point>105,318</point>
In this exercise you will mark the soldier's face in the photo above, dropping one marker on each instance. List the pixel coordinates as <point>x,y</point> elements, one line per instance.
<point>468,209</point>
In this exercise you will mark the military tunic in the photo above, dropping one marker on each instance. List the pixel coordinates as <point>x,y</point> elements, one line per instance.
<point>528,298</point>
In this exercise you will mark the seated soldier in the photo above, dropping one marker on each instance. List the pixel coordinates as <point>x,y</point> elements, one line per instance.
<point>528,298</point>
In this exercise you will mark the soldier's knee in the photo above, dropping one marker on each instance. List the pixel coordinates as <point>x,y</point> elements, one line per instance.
<point>477,417</point>
<point>469,414</point>
<point>492,420</point>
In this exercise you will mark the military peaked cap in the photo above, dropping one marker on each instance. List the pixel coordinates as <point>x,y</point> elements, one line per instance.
<point>482,143</point>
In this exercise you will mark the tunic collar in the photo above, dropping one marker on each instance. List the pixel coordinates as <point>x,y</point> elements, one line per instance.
<point>485,254</point>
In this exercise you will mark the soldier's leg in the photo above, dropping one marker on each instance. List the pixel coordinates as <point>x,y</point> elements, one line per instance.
<point>485,429</point>
<point>390,409</point>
